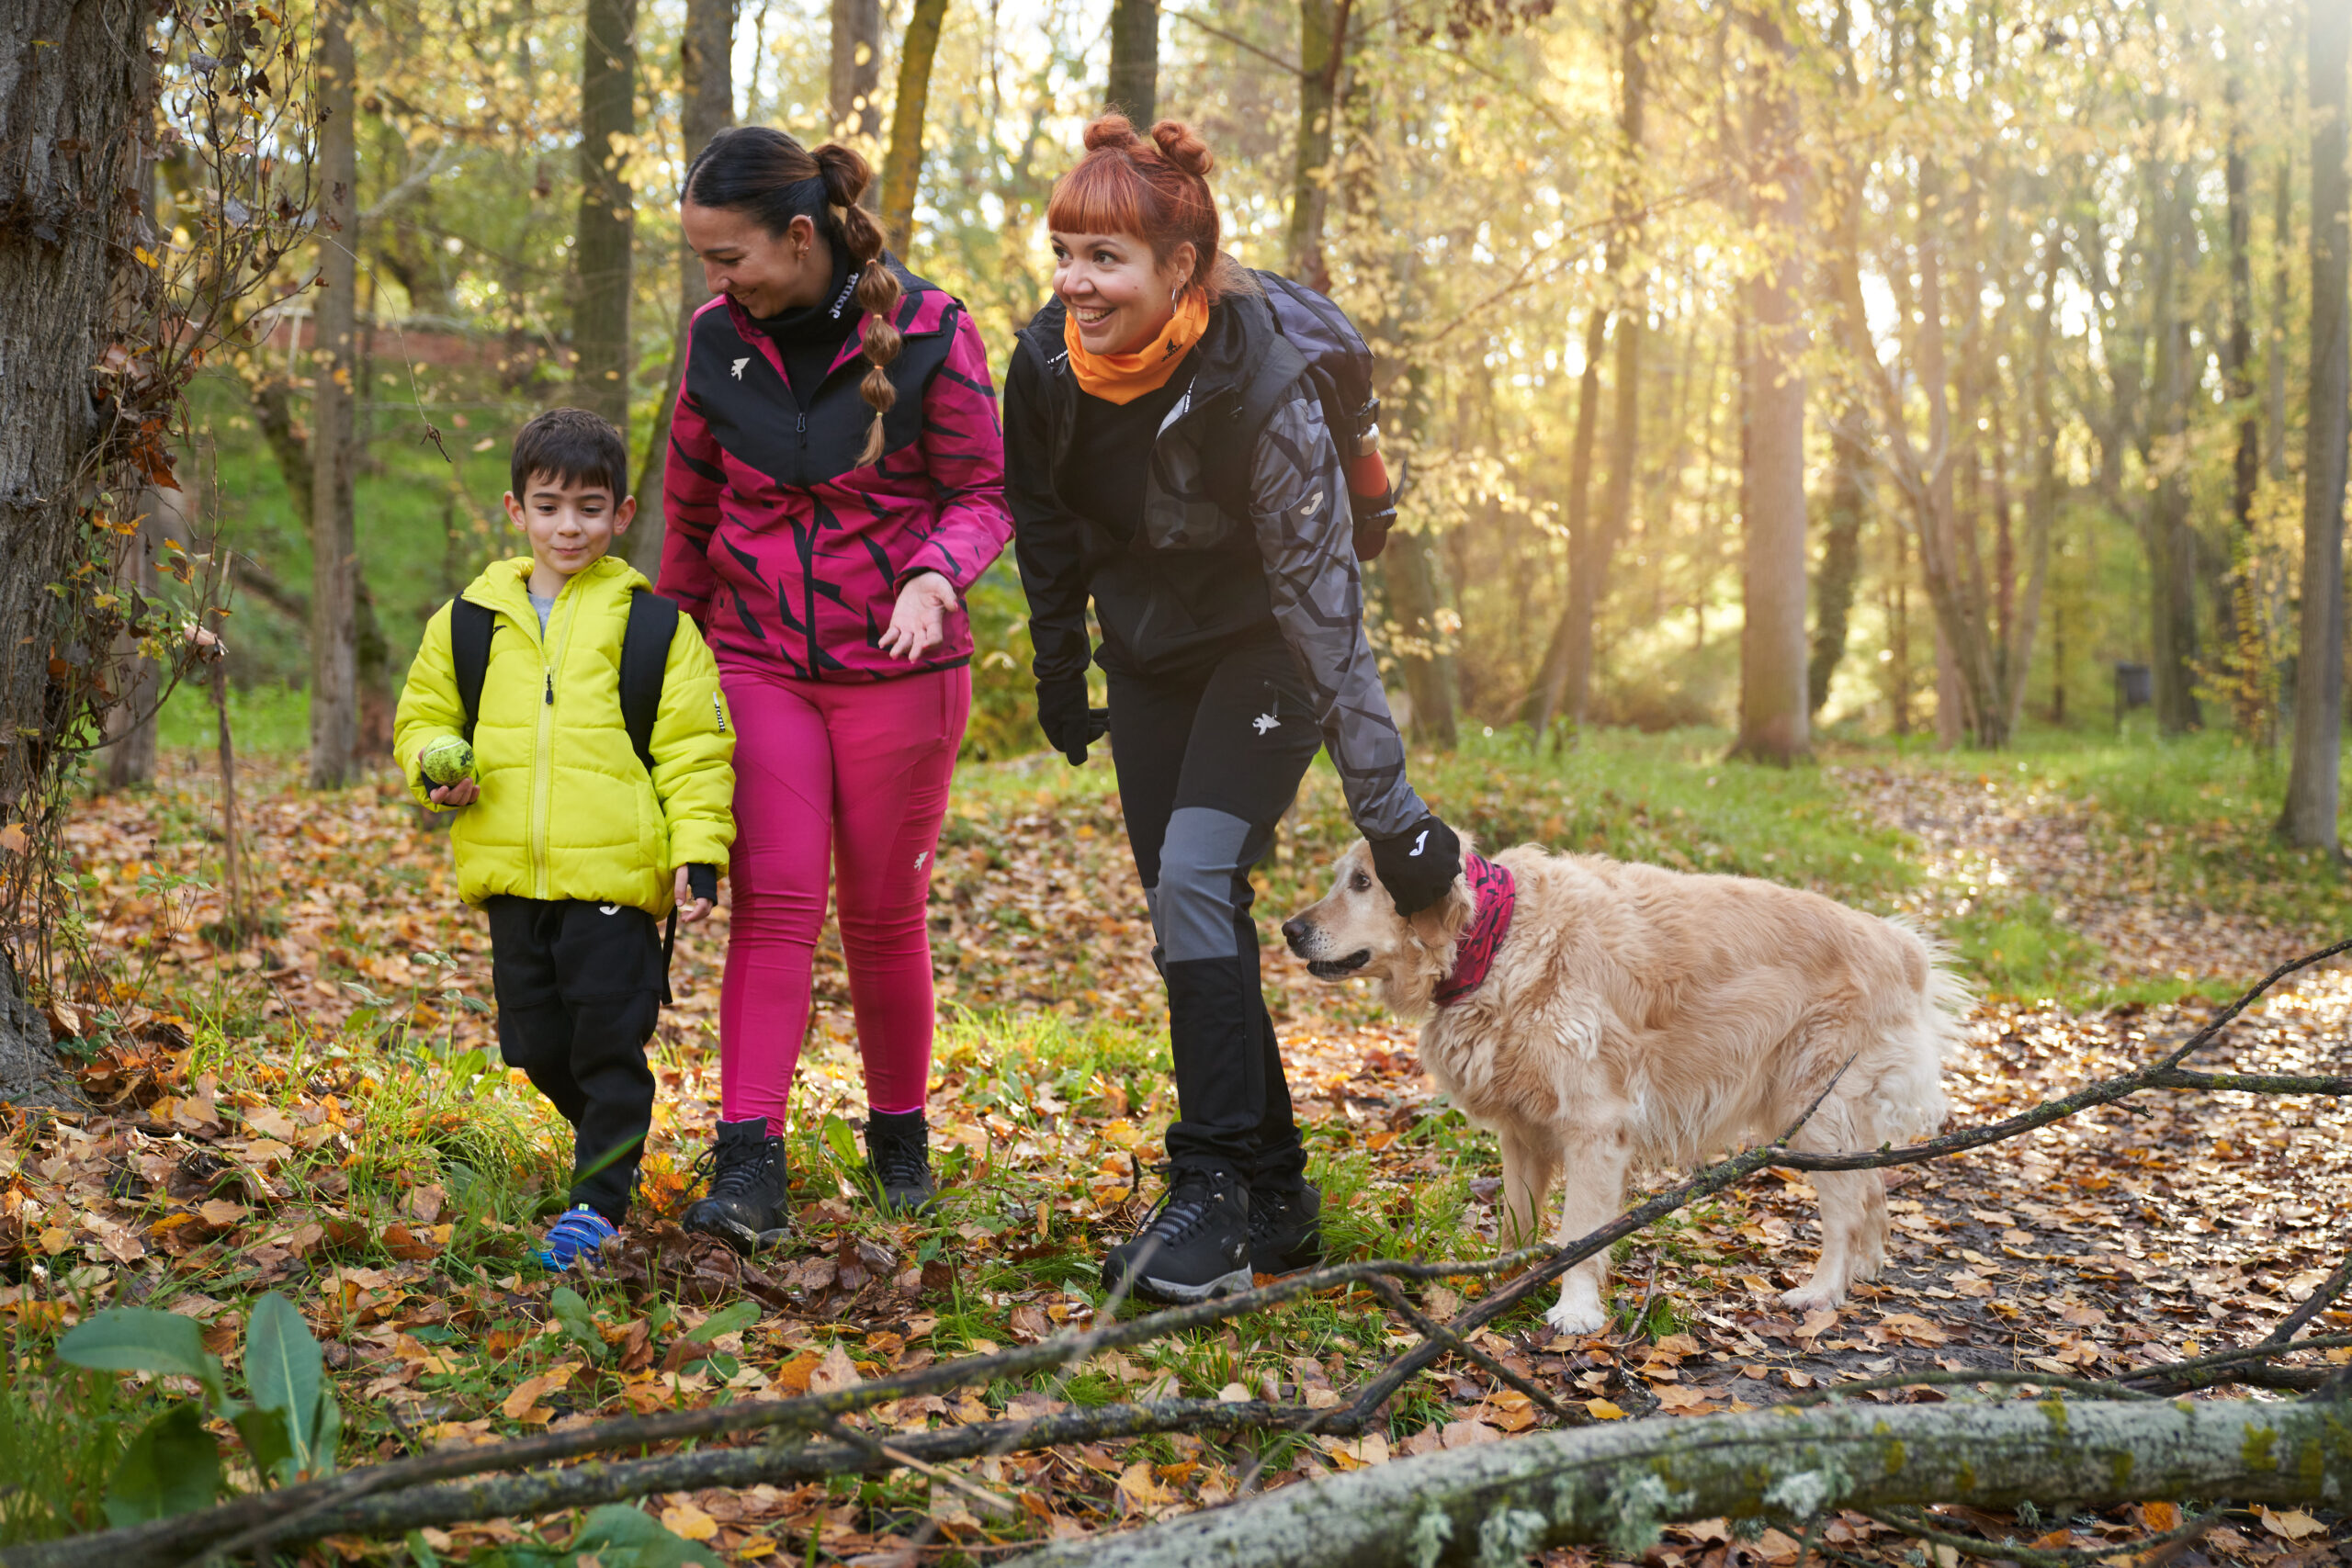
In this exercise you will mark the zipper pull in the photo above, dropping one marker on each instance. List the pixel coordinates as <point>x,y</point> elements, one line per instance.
<point>550,688</point>
<point>803,428</point>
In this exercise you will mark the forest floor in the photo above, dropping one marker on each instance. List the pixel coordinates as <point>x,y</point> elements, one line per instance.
<point>317,1109</point>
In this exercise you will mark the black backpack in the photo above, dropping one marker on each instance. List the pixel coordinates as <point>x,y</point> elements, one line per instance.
<point>645,658</point>
<point>1340,363</point>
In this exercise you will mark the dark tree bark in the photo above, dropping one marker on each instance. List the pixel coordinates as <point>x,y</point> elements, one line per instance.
<point>707,93</point>
<point>1841,543</point>
<point>2282,229</point>
<point>605,238</point>
<point>2309,817</point>
<point>334,369</point>
<point>1567,656</point>
<point>2244,649</point>
<point>1774,723</point>
<point>129,757</point>
<point>1322,43</point>
<point>855,83</point>
<point>75,79</point>
<point>1411,578</point>
<point>1134,87</point>
<point>2172,547</point>
<point>903,166</point>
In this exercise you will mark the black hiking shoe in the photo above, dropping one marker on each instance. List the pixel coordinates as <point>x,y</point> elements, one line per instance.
<point>1285,1227</point>
<point>1195,1245</point>
<point>897,1159</point>
<point>748,1187</point>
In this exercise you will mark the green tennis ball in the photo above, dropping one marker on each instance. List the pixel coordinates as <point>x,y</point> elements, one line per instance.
<point>447,760</point>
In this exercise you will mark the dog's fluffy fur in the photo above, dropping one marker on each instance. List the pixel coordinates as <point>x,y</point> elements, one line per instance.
<point>1637,1016</point>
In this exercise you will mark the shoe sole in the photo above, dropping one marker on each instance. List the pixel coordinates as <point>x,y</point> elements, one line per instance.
<point>744,1238</point>
<point>1178,1293</point>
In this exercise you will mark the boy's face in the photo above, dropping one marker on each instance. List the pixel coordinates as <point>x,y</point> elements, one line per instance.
<point>570,526</point>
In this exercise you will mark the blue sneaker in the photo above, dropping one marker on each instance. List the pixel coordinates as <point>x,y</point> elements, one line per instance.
<point>579,1234</point>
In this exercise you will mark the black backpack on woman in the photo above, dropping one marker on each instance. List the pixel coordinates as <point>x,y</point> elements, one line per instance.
<point>1341,365</point>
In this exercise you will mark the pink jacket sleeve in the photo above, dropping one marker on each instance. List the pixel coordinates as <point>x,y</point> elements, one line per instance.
<point>963,448</point>
<point>693,479</point>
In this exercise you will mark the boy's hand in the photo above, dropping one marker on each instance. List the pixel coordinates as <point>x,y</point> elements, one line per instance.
<point>465,792</point>
<point>920,619</point>
<point>690,908</point>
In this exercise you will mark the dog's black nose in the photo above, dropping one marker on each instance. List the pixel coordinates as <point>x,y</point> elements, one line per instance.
<point>1293,932</point>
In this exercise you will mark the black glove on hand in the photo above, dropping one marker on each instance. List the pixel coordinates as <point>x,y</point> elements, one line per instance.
<point>1418,866</point>
<point>702,881</point>
<point>1069,725</point>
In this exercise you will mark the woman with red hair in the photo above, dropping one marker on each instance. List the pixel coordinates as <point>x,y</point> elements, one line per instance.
<point>1166,454</point>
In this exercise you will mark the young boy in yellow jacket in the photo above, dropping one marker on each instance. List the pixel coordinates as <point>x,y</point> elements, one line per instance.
<point>574,846</point>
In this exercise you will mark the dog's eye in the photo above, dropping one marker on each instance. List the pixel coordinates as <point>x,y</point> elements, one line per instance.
<point>1359,883</point>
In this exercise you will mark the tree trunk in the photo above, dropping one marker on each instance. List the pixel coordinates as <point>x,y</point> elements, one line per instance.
<point>1773,719</point>
<point>1414,638</point>
<point>902,167</point>
<point>1842,532</point>
<point>2309,817</point>
<point>2042,501</point>
<point>1566,675</point>
<point>1134,88</point>
<point>1616,1484</point>
<point>335,544</point>
<point>2172,549</point>
<point>856,80</point>
<point>2282,230</point>
<point>2245,651</point>
<point>602,250</point>
<point>129,758</point>
<point>1320,44</point>
<point>71,154</point>
<point>707,93</point>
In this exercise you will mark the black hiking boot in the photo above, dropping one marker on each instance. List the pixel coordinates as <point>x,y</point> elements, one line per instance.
<point>1195,1245</point>
<point>748,1187</point>
<point>897,1159</point>
<point>1285,1226</point>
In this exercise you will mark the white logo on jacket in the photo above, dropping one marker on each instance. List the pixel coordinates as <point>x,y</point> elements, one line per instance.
<point>738,367</point>
<point>1266,721</point>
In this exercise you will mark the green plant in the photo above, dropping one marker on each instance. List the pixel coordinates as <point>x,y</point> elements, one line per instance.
<point>290,1426</point>
<point>615,1536</point>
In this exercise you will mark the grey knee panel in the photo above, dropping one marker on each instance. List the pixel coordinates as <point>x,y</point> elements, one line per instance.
<point>1202,860</point>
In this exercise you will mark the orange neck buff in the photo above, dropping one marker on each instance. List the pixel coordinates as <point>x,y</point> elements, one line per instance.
<point>1124,377</point>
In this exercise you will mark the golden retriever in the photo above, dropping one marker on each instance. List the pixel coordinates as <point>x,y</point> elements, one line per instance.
<point>1635,1016</point>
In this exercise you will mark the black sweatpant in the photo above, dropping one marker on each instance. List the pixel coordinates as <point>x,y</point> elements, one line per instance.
<point>579,989</point>
<point>1208,761</point>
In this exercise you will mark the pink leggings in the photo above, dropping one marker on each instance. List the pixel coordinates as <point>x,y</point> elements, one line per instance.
<point>826,772</point>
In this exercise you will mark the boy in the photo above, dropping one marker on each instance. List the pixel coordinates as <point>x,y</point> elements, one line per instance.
<point>563,836</point>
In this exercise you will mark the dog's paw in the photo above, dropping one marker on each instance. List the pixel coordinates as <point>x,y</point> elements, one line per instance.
<point>1577,1317</point>
<point>1814,1296</point>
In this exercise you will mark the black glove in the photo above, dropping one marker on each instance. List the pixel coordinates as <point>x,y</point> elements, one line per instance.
<point>702,881</point>
<point>1418,866</point>
<point>1069,725</point>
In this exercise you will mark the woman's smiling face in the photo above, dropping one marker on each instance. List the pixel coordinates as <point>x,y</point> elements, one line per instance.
<point>1117,294</point>
<point>766,274</point>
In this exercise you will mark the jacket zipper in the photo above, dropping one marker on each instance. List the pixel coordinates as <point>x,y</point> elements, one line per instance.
<point>802,427</point>
<point>542,762</point>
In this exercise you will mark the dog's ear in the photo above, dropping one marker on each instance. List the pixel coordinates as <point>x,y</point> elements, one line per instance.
<point>1436,927</point>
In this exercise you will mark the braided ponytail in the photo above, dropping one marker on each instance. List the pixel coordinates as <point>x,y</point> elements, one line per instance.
<point>846,177</point>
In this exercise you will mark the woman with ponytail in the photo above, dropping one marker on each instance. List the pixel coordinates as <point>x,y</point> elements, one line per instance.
<point>835,483</point>
<point>1167,455</point>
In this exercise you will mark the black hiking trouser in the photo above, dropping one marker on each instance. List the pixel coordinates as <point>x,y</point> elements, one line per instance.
<point>1209,759</point>
<point>579,989</point>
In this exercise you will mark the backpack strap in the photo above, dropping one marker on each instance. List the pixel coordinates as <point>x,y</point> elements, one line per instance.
<point>470,625</point>
<point>645,659</point>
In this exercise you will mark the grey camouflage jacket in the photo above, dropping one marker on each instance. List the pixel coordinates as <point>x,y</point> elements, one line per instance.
<point>1245,532</point>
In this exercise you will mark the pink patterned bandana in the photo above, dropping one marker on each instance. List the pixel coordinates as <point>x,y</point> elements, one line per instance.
<point>1491,886</point>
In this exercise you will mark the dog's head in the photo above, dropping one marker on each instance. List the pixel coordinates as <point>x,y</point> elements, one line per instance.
<point>1354,930</point>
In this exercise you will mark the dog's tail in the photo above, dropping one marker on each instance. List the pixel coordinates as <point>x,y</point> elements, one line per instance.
<point>1913,1096</point>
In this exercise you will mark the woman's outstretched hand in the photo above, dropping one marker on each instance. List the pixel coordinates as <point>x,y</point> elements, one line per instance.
<point>921,618</point>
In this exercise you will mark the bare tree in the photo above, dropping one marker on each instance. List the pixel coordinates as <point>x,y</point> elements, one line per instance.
<point>1774,722</point>
<point>706,106</point>
<point>856,81</point>
<point>335,370</point>
<point>903,166</point>
<point>1322,50</point>
<point>2308,817</point>
<point>601,252</point>
<point>1134,60</point>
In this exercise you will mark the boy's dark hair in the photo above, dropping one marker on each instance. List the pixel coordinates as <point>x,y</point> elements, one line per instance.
<point>571,446</point>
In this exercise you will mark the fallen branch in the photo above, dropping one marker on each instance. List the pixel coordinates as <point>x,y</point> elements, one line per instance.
<point>1500,1502</point>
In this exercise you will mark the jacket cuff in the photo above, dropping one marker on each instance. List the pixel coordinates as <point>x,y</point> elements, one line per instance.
<point>930,560</point>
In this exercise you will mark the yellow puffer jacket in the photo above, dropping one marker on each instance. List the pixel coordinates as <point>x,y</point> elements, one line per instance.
<point>566,811</point>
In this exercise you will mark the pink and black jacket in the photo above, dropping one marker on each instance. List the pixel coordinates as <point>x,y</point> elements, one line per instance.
<point>787,554</point>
